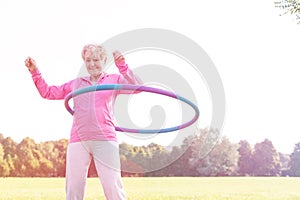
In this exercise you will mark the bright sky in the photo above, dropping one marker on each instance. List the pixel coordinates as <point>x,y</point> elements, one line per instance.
<point>255,51</point>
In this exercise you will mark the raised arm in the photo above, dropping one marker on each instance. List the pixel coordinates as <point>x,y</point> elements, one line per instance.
<point>46,91</point>
<point>128,77</point>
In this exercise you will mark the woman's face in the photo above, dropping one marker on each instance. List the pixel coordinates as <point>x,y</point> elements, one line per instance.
<point>93,63</point>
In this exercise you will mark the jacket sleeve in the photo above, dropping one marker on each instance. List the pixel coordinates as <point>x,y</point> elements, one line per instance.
<point>50,92</point>
<point>128,77</point>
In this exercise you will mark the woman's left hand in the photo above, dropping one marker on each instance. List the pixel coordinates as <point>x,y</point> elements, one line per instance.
<point>119,58</point>
<point>120,62</point>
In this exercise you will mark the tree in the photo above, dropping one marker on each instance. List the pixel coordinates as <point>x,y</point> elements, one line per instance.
<point>291,7</point>
<point>11,165</point>
<point>201,147</point>
<point>158,161</point>
<point>285,161</point>
<point>59,160</point>
<point>174,168</point>
<point>266,159</point>
<point>28,158</point>
<point>4,168</point>
<point>245,163</point>
<point>1,137</point>
<point>295,161</point>
<point>212,156</point>
<point>188,157</point>
<point>221,161</point>
<point>132,163</point>
<point>9,147</point>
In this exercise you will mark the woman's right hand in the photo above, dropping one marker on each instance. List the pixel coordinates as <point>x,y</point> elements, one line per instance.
<point>30,64</point>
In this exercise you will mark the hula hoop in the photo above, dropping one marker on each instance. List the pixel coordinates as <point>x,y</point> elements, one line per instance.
<point>136,88</point>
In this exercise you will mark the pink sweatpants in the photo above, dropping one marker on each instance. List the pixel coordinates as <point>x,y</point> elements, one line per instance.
<point>107,162</point>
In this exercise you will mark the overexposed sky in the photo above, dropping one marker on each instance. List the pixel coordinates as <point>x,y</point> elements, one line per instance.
<point>255,51</point>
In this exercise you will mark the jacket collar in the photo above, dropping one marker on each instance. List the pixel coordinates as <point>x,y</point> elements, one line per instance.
<point>87,78</point>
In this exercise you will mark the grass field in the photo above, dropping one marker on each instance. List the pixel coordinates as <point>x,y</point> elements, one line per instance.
<point>236,188</point>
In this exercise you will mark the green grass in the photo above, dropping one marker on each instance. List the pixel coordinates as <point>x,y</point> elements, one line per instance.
<point>231,188</point>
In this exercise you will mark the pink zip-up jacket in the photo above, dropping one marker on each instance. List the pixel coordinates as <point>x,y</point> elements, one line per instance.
<point>93,111</point>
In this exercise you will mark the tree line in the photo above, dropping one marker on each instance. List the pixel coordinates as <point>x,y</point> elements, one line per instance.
<point>202,154</point>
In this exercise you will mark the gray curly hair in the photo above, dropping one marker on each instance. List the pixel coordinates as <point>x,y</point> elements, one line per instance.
<point>95,49</point>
